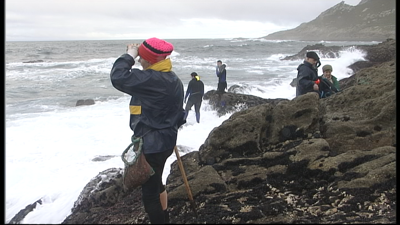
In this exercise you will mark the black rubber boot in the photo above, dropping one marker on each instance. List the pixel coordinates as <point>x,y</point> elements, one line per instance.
<point>166,217</point>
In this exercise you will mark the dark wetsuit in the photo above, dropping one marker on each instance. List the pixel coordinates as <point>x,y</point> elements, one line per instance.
<point>221,74</point>
<point>195,91</point>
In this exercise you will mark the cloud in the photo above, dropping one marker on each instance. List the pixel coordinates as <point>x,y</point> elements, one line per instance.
<point>127,19</point>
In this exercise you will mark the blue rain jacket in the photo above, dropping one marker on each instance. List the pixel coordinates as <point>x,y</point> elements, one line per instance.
<point>156,106</point>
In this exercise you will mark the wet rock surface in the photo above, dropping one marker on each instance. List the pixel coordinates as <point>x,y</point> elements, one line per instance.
<point>84,102</point>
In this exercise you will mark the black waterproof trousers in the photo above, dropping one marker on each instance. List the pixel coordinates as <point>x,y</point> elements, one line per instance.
<point>152,189</point>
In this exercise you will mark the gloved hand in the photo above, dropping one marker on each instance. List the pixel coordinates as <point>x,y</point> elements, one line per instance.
<point>132,50</point>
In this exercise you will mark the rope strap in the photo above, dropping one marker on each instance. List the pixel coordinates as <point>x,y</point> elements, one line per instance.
<point>137,151</point>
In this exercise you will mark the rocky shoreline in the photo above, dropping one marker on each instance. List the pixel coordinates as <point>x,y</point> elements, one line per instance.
<point>307,160</point>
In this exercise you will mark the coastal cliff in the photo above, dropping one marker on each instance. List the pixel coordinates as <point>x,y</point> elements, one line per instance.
<point>370,20</point>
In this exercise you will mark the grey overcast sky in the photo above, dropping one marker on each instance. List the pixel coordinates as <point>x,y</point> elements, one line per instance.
<point>42,20</point>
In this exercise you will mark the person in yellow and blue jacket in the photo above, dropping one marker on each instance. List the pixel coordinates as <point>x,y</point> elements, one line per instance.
<point>156,112</point>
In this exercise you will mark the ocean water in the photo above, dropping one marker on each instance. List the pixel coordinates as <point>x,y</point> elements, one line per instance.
<point>50,142</point>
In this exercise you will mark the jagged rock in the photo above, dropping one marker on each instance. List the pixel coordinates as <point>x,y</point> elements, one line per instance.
<point>360,65</point>
<point>103,158</point>
<point>33,61</point>
<point>236,88</point>
<point>17,219</point>
<point>323,52</point>
<point>232,102</point>
<point>375,108</point>
<point>382,52</point>
<point>84,102</point>
<point>103,191</point>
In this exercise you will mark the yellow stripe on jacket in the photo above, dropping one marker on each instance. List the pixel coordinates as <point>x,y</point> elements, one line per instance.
<point>135,109</point>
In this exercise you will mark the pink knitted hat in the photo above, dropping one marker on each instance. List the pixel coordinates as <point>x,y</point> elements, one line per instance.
<point>154,50</point>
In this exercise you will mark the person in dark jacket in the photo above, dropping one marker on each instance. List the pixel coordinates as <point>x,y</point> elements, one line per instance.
<point>195,91</point>
<point>221,74</point>
<point>307,74</point>
<point>156,112</point>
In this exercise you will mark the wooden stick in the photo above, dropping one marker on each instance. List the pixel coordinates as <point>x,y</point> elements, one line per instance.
<point>185,180</point>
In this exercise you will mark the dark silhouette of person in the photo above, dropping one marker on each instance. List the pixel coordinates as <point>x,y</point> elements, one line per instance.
<point>195,92</point>
<point>221,74</point>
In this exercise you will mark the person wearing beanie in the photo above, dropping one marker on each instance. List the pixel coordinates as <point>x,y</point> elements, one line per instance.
<point>221,74</point>
<point>195,91</point>
<point>329,83</point>
<point>307,74</point>
<point>327,74</point>
<point>156,112</point>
